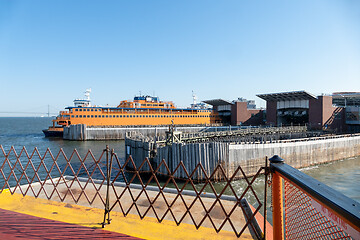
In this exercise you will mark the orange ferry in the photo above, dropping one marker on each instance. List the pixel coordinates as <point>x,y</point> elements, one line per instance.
<point>142,111</point>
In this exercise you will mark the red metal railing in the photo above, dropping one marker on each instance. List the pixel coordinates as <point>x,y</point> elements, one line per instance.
<point>304,208</point>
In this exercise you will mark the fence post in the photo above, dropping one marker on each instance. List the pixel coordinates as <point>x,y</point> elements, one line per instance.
<point>277,201</point>
<point>108,178</point>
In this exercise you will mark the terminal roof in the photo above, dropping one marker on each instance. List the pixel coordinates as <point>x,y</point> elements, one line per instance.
<point>217,102</point>
<point>287,96</point>
<point>346,98</point>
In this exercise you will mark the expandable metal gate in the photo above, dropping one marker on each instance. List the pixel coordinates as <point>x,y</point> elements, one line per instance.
<point>303,208</point>
<point>35,174</point>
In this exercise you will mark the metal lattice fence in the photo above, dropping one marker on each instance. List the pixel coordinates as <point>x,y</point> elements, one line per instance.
<point>304,221</point>
<point>115,185</point>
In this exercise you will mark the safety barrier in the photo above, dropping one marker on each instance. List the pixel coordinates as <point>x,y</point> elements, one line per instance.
<point>107,180</point>
<point>304,208</point>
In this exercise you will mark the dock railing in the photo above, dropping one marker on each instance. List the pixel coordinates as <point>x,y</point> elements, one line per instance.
<point>304,208</point>
<point>104,181</point>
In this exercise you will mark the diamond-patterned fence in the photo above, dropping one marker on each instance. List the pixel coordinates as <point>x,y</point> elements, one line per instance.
<point>109,182</point>
<point>47,175</point>
<point>304,221</point>
<point>304,208</point>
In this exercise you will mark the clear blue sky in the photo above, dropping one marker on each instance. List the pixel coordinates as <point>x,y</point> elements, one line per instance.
<point>51,51</point>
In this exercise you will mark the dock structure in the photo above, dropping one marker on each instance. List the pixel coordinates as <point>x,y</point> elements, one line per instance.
<point>247,148</point>
<point>82,132</point>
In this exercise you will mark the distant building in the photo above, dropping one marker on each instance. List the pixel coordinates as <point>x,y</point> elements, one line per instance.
<point>238,112</point>
<point>351,102</point>
<point>339,111</point>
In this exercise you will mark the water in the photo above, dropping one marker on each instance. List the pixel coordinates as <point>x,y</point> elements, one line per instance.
<point>20,132</point>
<point>343,175</point>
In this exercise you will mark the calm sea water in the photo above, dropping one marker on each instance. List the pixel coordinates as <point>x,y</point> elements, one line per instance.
<point>343,175</point>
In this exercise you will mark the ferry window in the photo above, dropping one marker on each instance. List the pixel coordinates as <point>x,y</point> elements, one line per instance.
<point>110,116</point>
<point>76,110</point>
<point>121,116</point>
<point>92,110</point>
<point>88,116</point>
<point>96,116</point>
<point>107,116</point>
<point>92,116</point>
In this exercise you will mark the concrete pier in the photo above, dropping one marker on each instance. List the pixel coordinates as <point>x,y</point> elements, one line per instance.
<point>250,156</point>
<point>81,132</point>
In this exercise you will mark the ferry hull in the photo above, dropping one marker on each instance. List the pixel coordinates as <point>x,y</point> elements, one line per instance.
<point>50,133</point>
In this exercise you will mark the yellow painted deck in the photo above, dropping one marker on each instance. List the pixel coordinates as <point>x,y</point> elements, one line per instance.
<point>132,225</point>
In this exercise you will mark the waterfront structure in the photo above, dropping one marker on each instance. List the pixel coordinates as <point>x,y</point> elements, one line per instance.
<point>238,112</point>
<point>350,101</point>
<point>339,111</point>
<point>142,111</point>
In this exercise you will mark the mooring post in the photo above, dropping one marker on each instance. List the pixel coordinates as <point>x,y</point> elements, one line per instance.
<point>277,201</point>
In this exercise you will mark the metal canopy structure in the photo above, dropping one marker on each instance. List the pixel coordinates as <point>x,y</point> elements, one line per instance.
<point>287,96</point>
<point>217,102</point>
<point>346,98</point>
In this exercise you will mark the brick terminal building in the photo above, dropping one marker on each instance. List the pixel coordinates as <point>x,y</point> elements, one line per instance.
<point>339,112</point>
<point>238,112</point>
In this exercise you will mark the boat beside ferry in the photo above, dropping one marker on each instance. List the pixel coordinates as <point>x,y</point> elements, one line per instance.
<point>141,111</point>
